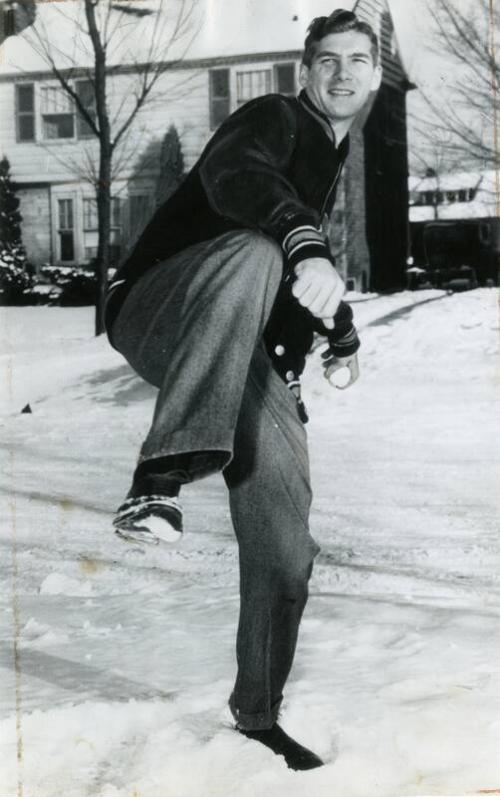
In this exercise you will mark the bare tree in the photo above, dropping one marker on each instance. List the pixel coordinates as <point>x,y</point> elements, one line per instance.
<point>102,28</point>
<point>468,33</point>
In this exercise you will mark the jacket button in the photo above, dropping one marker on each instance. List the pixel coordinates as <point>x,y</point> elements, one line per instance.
<point>289,376</point>
<point>279,350</point>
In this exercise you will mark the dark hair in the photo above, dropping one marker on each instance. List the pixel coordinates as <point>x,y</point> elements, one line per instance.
<point>339,21</point>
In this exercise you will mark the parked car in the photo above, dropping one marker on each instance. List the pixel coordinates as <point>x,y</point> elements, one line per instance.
<point>463,278</point>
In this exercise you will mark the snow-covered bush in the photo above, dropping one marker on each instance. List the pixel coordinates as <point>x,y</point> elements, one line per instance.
<point>77,285</point>
<point>15,279</point>
<point>15,276</point>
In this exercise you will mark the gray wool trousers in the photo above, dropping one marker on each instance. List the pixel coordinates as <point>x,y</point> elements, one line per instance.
<point>192,326</point>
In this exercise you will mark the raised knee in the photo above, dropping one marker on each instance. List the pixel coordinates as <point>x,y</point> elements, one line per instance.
<point>259,247</point>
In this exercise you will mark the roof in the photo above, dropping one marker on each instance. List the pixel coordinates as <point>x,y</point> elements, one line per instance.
<point>224,28</point>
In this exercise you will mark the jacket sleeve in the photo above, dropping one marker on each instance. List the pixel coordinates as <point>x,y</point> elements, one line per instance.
<point>244,175</point>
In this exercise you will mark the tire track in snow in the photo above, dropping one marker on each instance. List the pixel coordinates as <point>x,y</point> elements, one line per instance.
<point>77,677</point>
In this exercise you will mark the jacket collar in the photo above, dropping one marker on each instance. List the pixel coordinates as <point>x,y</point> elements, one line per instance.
<point>307,103</point>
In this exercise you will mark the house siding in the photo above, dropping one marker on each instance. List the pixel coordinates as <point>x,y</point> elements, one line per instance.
<point>35,210</point>
<point>369,230</point>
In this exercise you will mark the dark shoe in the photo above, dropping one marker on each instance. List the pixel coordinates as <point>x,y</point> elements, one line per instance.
<point>296,756</point>
<point>149,519</point>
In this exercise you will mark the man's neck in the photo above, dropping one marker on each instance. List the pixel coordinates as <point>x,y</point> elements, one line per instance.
<point>340,129</point>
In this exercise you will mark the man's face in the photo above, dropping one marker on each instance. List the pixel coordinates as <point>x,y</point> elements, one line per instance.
<point>342,75</point>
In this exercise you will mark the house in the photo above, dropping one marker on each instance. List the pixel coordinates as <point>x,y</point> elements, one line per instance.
<point>240,50</point>
<point>455,221</point>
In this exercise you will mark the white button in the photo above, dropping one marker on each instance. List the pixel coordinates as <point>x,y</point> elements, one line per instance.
<point>289,376</point>
<point>279,350</point>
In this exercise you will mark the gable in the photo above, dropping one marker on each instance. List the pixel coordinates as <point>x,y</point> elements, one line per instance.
<point>379,14</point>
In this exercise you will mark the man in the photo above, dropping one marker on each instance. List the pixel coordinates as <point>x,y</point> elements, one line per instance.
<point>217,306</point>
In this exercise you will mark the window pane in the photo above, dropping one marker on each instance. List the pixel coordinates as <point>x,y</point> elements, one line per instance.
<point>285,78</point>
<point>58,126</point>
<point>90,214</point>
<point>67,248</point>
<point>65,214</point>
<point>116,212</point>
<point>252,84</point>
<point>26,128</point>
<point>90,252</point>
<point>55,100</point>
<point>25,98</point>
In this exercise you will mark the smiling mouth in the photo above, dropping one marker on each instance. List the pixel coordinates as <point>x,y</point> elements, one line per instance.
<point>340,92</point>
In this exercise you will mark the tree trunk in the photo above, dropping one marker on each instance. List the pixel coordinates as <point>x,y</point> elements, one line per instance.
<point>103,190</point>
<point>103,197</point>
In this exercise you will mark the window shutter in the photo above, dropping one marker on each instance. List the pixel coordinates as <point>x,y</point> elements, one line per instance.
<point>284,79</point>
<point>25,111</point>
<point>219,96</point>
<point>86,95</point>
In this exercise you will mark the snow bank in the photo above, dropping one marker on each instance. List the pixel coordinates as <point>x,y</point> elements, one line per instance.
<point>126,658</point>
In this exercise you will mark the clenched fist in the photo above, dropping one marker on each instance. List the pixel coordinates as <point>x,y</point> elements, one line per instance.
<point>319,288</point>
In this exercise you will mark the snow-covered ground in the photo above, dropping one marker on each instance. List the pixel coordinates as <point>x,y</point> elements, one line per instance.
<point>116,664</point>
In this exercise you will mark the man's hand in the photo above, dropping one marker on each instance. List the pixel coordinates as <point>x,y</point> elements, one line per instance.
<point>319,288</point>
<point>332,364</point>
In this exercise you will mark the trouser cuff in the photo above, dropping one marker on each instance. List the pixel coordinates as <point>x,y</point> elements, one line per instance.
<point>255,722</point>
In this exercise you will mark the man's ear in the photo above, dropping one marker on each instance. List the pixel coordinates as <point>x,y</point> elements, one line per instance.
<point>377,78</point>
<point>303,75</point>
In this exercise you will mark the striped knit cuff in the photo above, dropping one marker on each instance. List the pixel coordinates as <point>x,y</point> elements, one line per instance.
<point>347,345</point>
<point>303,242</point>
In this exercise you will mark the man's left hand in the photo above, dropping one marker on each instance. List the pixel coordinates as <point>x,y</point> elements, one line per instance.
<point>333,364</point>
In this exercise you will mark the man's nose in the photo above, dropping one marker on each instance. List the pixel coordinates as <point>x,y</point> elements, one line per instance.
<point>343,71</point>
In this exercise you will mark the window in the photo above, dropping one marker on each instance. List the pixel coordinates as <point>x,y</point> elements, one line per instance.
<point>429,197</point>
<point>25,111</point>
<point>90,228</point>
<point>86,95</point>
<point>284,79</point>
<point>57,113</point>
<point>462,195</point>
<point>65,230</point>
<point>219,96</point>
<point>252,84</point>
<point>451,196</point>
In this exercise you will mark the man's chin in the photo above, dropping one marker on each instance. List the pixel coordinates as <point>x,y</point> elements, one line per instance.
<point>342,108</point>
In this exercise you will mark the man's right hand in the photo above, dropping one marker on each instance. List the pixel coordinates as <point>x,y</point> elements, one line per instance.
<point>319,288</point>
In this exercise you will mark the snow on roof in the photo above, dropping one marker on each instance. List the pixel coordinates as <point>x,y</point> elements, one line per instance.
<point>453,181</point>
<point>219,28</point>
<point>483,205</point>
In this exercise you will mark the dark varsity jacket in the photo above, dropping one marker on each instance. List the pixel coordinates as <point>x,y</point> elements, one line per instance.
<point>272,166</point>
